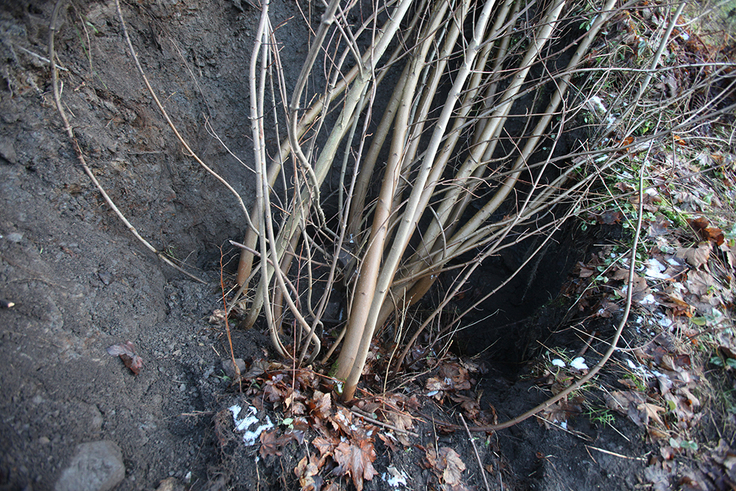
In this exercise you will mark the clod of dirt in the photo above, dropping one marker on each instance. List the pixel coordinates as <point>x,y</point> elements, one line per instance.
<point>170,484</point>
<point>229,368</point>
<point>97,466</point>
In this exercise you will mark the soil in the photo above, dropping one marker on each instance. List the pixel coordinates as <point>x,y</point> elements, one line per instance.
<point>80,282</point>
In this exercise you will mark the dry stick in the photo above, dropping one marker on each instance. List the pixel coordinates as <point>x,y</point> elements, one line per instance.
<point>521,160</point>
<point>365,416</point>
<point>343,224</point>
<point>608,452</point>
<point>655,62</point>
<point>475,449</point>
<point>533,141</point>
<point>328,18</point>
<point>267,236</point>
<point>598,366</point>
<point>352,99</point>
<point>227,327</point>
<point>80,154</point>
<point>323,164</point>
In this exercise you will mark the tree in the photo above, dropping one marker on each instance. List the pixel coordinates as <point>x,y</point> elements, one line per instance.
<point>466,69</point>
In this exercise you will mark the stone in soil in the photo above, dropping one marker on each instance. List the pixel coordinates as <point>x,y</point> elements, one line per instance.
<point>97,466</point>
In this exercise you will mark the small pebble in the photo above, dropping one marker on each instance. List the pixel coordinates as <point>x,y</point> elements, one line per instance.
<point>105,277</point>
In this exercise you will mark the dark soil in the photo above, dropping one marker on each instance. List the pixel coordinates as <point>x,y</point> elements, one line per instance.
<point>81,283</point>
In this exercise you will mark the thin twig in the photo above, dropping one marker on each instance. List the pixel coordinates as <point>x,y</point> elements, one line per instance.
<point>477,456</point>
<point>608,452</point>
<point>227,327</point>
<point>42,58</point>
<point>80,154</point>
<point>370,419</point>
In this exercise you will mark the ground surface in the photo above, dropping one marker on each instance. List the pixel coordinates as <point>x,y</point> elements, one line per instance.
<point>81,283</point>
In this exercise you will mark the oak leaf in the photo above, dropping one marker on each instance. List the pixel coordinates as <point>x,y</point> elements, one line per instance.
<point>651,411</point>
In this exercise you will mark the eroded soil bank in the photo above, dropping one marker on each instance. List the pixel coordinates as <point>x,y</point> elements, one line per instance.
<point>80,282</point>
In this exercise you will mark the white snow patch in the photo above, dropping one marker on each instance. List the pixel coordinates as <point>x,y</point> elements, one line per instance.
<point>558,363</point>
<point>649,299</point>
<point>394,477</point>
<point>579,363</point>
<point>655,269</point>
<point>249,437</point>
<point>638,369</point>
<point>596,105</point>
<point>665,322</point>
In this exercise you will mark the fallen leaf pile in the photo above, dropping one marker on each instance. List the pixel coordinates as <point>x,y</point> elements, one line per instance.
<point>682,300</point>
<point>452,381</point>
<point>667,404</point>
<point>344,441</point>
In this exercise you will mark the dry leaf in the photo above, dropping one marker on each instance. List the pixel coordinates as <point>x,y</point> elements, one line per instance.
<point>126,352</point>
<point>470,406</point>
<point>698,282</point>
<point>274,391</point>
<point>320,405</point>
<point>447,464</point>
<point>217,317</point>
<point>342,420</point>
<point>454,466</point>
<point>389,440</point>
<point>585,271</point>
<point>324,445</point>
<point>623,186</point>
<point>272,444</point>
<point>651,411</point>
<point>356,458</point>
<point>711,234</point>
<point>695,256</point>
<point>559,412</point>
<point>659,228</point>
<point>620,401</point>
<point>308,473</point>
<point>451,377</point>
<point>257,368</point>
<point>401,421</point>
